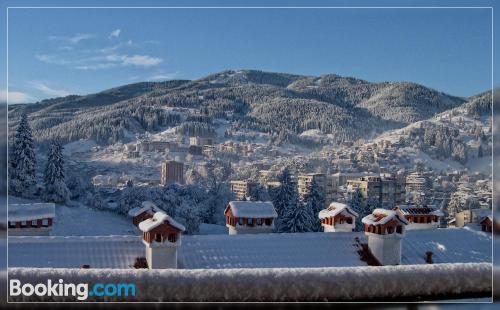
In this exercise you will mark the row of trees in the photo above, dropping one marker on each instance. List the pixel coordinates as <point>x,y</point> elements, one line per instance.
<point>22,172</point>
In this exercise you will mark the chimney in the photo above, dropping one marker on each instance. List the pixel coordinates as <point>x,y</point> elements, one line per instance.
<point>428,257</point>
<point>385,230</point>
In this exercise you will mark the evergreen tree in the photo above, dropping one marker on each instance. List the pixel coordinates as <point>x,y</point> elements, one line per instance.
<point>314,199</point>
<point>285,193</point>
<point>55,187</point>
<point>356,204</point>
<point>259,193</point>
<point>22,164</point>
<point>297,217</point>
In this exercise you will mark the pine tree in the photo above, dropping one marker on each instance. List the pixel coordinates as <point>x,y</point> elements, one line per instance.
<point>284,193</point>
<point>55,187</point>
<point>297,218</point>
<point>22,164</point>
<point>356,204</point>
<point>314,199</point>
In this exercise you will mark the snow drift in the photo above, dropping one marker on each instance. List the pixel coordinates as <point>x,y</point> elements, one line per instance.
<point>280,284</point>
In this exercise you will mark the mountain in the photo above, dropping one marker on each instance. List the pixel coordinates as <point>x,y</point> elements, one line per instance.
<point>284,105</point>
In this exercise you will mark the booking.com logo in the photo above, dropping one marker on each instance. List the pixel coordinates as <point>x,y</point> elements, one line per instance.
<point>80,291</point>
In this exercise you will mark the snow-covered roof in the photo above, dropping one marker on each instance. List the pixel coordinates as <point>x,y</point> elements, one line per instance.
<point>158,219</point>
<point>415,210</point>
<point>488,217</point>
<point>252,209</point>
<point>383,216</point>
<point>335,208</point>
<point>145,206</point>
<point>31,211</point>
<point>449,245</point>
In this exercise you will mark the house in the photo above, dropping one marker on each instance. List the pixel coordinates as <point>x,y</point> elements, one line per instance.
<point>385,229</point>
<point>249,217</point>
<point>146,211</point>
<point>421,217</point>
<point>487,224</point>
<point>161,235</point>
<point>337,217</point>
<point>31,218</point>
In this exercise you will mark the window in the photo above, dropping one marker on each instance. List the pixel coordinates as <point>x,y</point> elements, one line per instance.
<point>45,222</point>
<point>240,221</point>
<point>390,230</point>
<point>158,237</point>
<point>23,224</point>
<point>12,224</point>
<point>258,222</point>
<point>250,222</point>
<point>34,223</point>
<point>349,220</point>
<point>172,237</point>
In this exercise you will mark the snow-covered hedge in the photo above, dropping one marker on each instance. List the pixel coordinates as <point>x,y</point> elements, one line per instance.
<point>281,284</point>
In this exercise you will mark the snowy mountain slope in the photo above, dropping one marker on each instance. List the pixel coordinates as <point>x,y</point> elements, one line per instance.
<point>275,103</point>
<point>439,140</point>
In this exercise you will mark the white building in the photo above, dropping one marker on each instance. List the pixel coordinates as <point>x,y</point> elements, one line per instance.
<point>250,217</point>
<point>162,236</point>
<point>31,219</point>
<point>338,217</point>
<point>385,229</point>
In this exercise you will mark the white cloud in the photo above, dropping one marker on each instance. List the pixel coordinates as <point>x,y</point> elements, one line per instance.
<point>75,39</point>
<point>15,97</point>
<point>163,76</point>
<point>48,90</point>
<point>135,60</point>
<point>115,33</point>
<point>50,59</point>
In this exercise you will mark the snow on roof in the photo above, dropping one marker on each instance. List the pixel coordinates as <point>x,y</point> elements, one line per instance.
<point>449,245</point>
<point>31,211</point>
<point>252,209</point>
<point>383,216</point>
<point>145,206</point>
<point>414,210</point>
<point>335,208</point>
<point>158,219</point>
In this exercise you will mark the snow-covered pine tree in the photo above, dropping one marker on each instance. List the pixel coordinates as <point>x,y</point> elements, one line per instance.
<point>315,200</point>
<point>259,193</point>
<point>188,215</point>
<point>356,204</point>
<point>297,217</point>
<point>55,187</point>
<point>285,193</point>
<point>22,178</point>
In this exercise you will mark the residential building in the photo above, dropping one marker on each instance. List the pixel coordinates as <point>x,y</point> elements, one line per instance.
<point>241,189</point>
<point>172,172</point>
<point>323,181</point>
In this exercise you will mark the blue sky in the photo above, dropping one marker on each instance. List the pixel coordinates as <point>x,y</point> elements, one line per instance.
<point>55,52</point>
